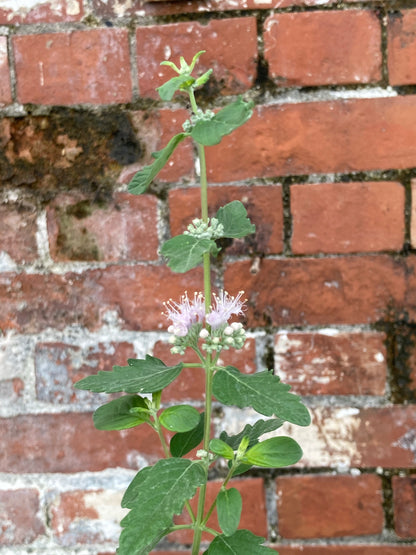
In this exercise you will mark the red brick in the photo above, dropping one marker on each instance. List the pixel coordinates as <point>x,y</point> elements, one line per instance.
<point>18,232</point>
<point>5,89</point>
<point>299,53</point>
<point>58,366</point>
<point>78,67</point>
<point>84,517</point>
<point>19,511</point>
<point>350,290</point>
<point>349,549</point>
<point>31,302</point>
<point>311,506</point>
<point>335,136</point>
<point>413,215</point>
<point>234,65</point>
<point>190,385</point>
<point>263,204</point>
<point>404,499</point>
<point>42,12</point>
<point>234,62</point>
<point>68,442</point>
<point>347,217</point>
<point>253,516</point>
<point>124,230</point>
<point>364,438</point>
<point>329,362</point>
<point>401,42</point>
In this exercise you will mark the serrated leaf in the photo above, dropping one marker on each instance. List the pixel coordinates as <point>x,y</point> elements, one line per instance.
<point>182,443</point>
<point>154,496</point>
<point>140,376</point>
<point>274,453</point>
<point>262,391</point>
<point>181,418</point>
<point>145,176</point>
<point>253,432</point>
<point>168,89</point>
<point>117,415</point>
<point>220,448</point>
<point>210,132</point>
<point>233,217</point>
<point>229,505</point>
<point>242,542</point>
<point>184,252</point>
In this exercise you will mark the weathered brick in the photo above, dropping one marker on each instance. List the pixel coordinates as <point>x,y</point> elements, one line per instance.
<point>69,68</point>
<point>342,549</point>
<point>253,516</point>
<point>19,512</point>
<point>27,11</point>
<point>18,232</point>
<point>83,517</point>
<point>58,366</point>
<point>347,217</point>
<point>190,385</point>
<point>401,47</point>
<point>11,390</point>
<point>135,293</point>
<point>124,230</point>
<point>5,89</point>
<point>322,137</point>
<point>234,63</point>
<point>299,53</point>
<point>112,8</point>
<point>348,290</point>
<point>310,507</point>
<point>68,442</point>
<point>329,362</point>
<point>404,499</point>
<point>54,153</point>
<point>366,438</point>
<point>263,204</point>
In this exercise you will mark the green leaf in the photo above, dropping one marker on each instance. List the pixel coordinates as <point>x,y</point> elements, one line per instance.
<point>253,432</point>
<point>242,542</point>
<point>143,376</point>
<point>180,82</point>
<point>233,217</point>
<point>220,448</point>
<point>145,176</point>
<point>117,415</point>
<point>184,252</point>
<point>182,443</point>
<point>210,132</point>
<point>154,496</point>
<point>263,391</point>
<point>274,452</point>
<point>181,418</point>
<point>229,505</point>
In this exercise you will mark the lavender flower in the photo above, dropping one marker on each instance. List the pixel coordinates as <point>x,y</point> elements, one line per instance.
<point>225,307</point>
<point>185,314</point>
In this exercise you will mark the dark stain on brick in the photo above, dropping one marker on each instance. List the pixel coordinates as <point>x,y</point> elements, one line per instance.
<point>68,149</point>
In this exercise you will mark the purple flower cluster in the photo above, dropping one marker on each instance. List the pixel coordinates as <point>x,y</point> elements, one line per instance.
<point>187,313</point>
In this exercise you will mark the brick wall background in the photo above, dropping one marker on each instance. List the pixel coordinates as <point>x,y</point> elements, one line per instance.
<point>327,170</point>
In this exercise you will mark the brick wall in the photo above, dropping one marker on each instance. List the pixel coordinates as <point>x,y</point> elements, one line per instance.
<point>327,170</point>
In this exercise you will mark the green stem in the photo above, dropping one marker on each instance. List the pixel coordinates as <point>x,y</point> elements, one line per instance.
<point>208,366</point>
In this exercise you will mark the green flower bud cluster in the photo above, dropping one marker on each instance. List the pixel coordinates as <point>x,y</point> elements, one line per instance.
<point>212,229</point>
<point>224,338</point>
<point>199,116</point>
